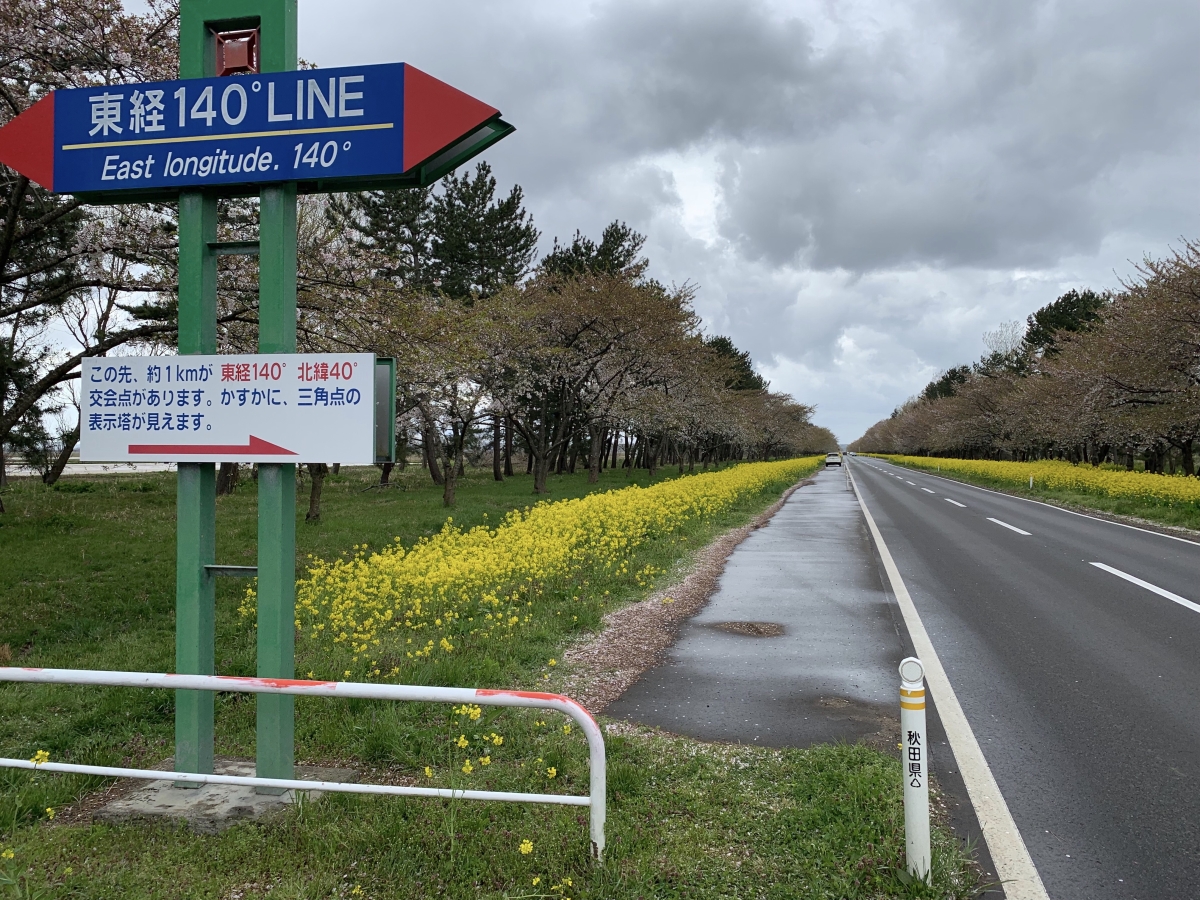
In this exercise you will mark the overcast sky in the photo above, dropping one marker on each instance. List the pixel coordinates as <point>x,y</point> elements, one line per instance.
<point>859,189</point>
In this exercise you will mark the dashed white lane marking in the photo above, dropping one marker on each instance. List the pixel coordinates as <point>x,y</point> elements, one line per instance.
<point>913,483</point>
<point>928,491</point>
<point>956,503</point>
<point>1009,527</point>
<point>1162,592</point>
<point>1014,865</point>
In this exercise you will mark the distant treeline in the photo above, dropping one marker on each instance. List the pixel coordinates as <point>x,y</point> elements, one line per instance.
<point>1092,377</point>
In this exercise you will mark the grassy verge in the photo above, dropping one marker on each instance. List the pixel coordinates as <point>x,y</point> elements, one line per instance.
<point>1176,513</point>
<point>90,585</point>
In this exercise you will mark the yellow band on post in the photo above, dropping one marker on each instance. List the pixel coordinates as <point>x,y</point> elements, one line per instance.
<point>906,705</point>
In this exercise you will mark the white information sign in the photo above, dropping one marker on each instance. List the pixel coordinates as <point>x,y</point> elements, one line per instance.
<point>294,407</point>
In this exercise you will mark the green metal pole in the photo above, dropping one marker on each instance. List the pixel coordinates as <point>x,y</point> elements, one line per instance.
<point>276,20</point>
<point>196,503</point>
<point>276,483</point>
<point>276,491</point>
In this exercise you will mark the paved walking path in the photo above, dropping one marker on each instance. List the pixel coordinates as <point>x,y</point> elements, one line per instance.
<point>830,675</point>
<point>798,645</point>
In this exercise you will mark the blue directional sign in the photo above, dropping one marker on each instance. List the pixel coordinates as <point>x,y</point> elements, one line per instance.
<point>325,126</point>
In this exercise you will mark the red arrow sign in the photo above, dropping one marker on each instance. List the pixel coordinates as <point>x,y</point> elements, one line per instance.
<point>395,117</point>
<point>27,143</point>
<point>257,447</point>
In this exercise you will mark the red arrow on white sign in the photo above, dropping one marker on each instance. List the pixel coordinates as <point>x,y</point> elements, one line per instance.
<point>256,446</point>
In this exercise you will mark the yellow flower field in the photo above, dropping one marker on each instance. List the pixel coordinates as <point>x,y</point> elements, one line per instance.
<point>378,611</point>
<point>1168,490</point>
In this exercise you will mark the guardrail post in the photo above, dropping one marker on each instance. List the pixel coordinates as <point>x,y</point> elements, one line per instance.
<point>914,755</point>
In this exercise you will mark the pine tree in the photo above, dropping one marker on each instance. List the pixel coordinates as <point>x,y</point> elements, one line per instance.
<point>616,253</point>
<point>480,244</point>
<point>395,223</point>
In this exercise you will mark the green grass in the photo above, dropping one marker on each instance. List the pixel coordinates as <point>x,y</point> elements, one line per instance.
<point>88,582</point>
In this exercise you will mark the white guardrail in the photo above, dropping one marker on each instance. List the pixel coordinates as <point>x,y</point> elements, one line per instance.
<point>531,699</point>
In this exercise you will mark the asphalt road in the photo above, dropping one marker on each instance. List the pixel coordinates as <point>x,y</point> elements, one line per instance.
<point>1082,687</point>
<point>797,646</point>
<point>827,669</point>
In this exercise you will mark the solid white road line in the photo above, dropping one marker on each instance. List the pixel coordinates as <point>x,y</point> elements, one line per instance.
<point>956,503</point>
<point>1162,592</point>
<point>1009,527</point>
<point>1014,866</point>
<point>928,491</point>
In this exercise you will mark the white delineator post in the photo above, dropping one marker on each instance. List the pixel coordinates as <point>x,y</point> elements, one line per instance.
<point>914,755</point>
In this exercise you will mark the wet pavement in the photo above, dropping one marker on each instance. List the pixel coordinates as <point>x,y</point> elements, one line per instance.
<point>799,644</point>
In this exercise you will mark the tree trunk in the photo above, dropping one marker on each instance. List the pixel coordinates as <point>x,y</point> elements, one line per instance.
<point>317,471</point>
<point>1189,463</point>
<point>497,450</point>
<point>448,484</point>
<point>508,442</point>
<point>575,448</point>
<point>227,478</point>
<point>402,448</point>
<point>540,457</point>
<point>70,439</point>
<point>386,474</point>
<point>335,468</point>
<point>453,470</point>
<point>433,449</point>
<point>560,465</point>
<point>541,470</point>
<point>3,472</point>
<point>616,448</point>
<point>597,449</point>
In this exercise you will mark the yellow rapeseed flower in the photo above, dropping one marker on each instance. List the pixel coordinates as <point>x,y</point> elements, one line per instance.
<point>479,585</point>
<point>462,741</point>
<point>468,768</point>
<point>428,772</point>
<point>1170,490</point>
<point>551,772</point>
<point>526,848</point>
<point>40,757</point>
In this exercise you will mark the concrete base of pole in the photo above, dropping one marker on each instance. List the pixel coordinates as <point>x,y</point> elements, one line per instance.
<point>213,807</point>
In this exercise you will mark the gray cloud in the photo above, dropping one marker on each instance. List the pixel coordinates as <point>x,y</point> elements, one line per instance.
<point>860,189</point>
